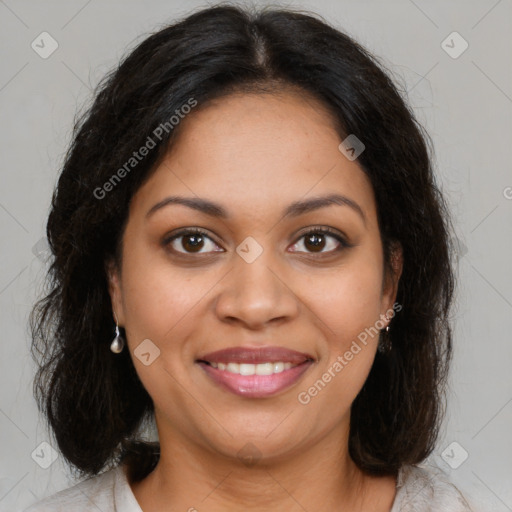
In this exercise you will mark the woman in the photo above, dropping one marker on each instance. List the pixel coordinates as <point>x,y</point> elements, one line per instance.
<point>249,248</point>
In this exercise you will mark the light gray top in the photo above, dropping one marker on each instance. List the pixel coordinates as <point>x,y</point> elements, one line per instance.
<point>418,490</point>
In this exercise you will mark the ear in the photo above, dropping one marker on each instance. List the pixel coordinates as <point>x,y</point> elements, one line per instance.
<point>115,291</point>
<point>392,278</point>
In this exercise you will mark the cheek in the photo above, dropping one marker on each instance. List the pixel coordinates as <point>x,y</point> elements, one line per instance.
<point>347,301</point>
<point>347,313</point>
<point>159,298</point>
<point>346,306</point>
<point>160,303</point>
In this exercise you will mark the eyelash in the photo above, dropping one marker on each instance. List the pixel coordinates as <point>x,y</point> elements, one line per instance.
<point>315,230</point>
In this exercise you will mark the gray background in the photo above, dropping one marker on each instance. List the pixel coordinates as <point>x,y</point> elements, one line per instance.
<point>464,102</point>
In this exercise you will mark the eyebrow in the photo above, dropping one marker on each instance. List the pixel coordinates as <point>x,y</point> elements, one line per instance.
<point>293,210</point>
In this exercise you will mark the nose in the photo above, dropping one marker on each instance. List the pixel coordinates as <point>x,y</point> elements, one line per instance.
<point>256,294</point>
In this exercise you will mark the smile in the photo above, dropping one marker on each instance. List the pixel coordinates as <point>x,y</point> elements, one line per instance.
<point>253,369</point>
<point>255,373</point>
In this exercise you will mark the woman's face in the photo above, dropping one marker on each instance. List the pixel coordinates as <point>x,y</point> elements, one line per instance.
<point>255,281</point>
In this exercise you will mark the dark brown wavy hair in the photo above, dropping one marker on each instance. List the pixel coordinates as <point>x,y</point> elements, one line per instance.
<point>93,401</point>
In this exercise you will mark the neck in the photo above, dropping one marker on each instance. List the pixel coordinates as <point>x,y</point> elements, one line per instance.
<point>189,477</point>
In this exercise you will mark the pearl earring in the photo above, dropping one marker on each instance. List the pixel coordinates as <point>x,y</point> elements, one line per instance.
<point>117,344</point>
<point>385,345</point>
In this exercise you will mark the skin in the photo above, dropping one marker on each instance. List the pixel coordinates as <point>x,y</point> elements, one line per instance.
<point>254,154</point>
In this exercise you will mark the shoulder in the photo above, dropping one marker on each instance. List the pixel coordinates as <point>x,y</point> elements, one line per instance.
<point>93,493</point>
<point>427,489</point>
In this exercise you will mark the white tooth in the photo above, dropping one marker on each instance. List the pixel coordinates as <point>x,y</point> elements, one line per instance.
<point>247,369</point>
<point>278,367</point>
<point>265,369</point>
<point>254,369</point>
<point>233,368</point>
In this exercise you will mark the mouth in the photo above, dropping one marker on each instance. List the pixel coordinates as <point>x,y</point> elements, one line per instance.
<point>255,373</point>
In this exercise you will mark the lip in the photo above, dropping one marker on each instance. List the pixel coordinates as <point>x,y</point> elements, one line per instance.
<point>256,355</point>
<point>256,386</point>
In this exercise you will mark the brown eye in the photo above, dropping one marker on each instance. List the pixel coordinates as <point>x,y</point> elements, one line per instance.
<point>320,241</point>
<point>192,241</point>
<point>196,241</point>
<point>314,242</point>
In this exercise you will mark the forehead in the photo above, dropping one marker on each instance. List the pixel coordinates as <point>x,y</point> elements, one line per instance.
<point>256,152</point>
